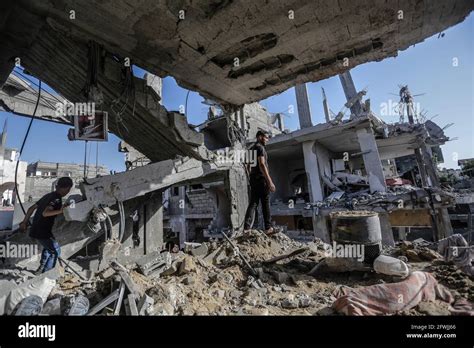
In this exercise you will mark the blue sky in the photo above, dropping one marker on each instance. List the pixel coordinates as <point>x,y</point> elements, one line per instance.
<point>426,67</point>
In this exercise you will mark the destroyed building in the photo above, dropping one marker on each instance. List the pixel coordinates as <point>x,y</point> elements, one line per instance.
<point>41,176</point>
<point>355,163</point>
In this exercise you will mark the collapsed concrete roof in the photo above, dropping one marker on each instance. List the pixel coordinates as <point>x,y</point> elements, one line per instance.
<point>274,52</point>
<point>276,48</point>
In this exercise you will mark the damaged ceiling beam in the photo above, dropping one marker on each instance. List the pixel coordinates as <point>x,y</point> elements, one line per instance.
<point>107,190</point>
<point>237,52</point>
<point>135,115</point>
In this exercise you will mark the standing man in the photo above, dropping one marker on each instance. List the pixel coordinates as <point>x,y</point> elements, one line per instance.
<point>47,208</point>
<point>261,185</point>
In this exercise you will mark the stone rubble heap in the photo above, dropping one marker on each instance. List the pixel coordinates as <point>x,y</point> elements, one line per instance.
<point>260,275</point>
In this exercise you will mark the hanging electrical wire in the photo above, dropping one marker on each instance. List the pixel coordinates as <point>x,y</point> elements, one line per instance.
<point>23,146</point>
<point>118,106</point>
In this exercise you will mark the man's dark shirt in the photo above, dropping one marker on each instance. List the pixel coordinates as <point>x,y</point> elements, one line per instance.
<point>42,226</point>
<point>255,172</point>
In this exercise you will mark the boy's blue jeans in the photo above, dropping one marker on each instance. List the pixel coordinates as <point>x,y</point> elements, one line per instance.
<point>50,254</point>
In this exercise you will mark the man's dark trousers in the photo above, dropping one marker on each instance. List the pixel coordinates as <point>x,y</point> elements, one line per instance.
<point>50,254</point>
<point>259,192</point>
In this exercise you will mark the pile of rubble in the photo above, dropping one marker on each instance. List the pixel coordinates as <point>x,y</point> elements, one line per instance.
<point>399,196</point>
<point>251,274</point>
<point>423,255</point>
<point>418,250</point>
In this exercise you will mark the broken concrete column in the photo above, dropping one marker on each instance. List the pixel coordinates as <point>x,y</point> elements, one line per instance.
<point>350,92</point>
<point>153,222</point>
<point>430,168</point>
<point>327,115</point>
<point>372,163</point>
<point>421,168</point>
<point>302,101</point>
<point>155,83</point>
<point>314,187</point>
<point>443,223</point>
<point>312,171</point>
<point>280,121</point>
<point>237,195</point>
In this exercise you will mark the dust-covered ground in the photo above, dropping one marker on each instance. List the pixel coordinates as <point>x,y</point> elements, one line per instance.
<point>220,283</point>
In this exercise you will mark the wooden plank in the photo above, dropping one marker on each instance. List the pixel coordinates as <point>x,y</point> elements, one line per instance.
<point>410,218</point>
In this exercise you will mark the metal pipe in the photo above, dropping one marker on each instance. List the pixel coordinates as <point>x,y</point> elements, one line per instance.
<point>240,254</point>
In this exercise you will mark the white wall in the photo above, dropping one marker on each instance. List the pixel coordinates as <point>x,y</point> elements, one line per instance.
<point>8,167</point>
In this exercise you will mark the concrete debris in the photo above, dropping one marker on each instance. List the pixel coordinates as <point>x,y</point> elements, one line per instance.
<point>172,269</point>
<point>145,305</point>
<point>164,236</point>
<point>395,197</point>
<point>201,250</point>
<point>415,252</point>
<point>339,265</point>
<point>459,282</point>
<point>290,302</point>
<point>40,286</point>
<point>131,305</point>
<point>285,277</point>
<point>187,266</point>
<point>105,302</point>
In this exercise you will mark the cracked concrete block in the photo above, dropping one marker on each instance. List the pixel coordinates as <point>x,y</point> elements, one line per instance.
<point>79,211</point>
<point>109,272</point>
<point>145,303</point>
<point>132,305</point>
<point>281,277</point>
<point>172,269</point>
<point>40,286</point>
<point>179,124</point>
<point>187,266</point>
<point>217,256</point>
<point>148,261</point>
<point>155,83</point>
<point>109,251</point>
<point>200,251</point>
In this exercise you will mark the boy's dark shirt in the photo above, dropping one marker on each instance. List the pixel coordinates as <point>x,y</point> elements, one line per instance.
<point>42,226</point>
